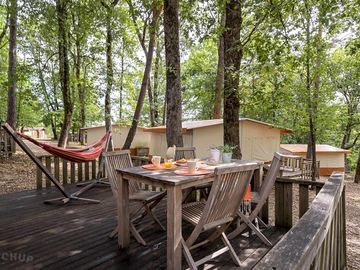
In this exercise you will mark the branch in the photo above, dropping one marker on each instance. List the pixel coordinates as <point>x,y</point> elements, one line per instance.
<point>105,5</point>
<point>114,3</point>
<point>248,38</point>
<point>348,146</point>
<point>137,29</point>
<point>3,32</point>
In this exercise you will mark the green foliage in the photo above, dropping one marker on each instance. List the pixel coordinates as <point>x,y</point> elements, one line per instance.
<point>273,86</point>
<point>198,81</point>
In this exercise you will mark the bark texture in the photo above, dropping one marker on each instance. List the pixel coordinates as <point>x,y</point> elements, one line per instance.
<point>11,102</point>
<point>61,11</point>
<point>145,81</point>
<point>357,173</point>
<point>219,85</point>
<point>156,82</point>
<point>79,86</point>
<point>233,52</point>
<point>109,64</point>
<point>173,86</point>
<point>109,69</point>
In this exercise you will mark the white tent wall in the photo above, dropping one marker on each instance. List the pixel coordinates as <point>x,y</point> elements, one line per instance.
<point>119,136</point>
<point>206,137</point>
<point>258,141</point>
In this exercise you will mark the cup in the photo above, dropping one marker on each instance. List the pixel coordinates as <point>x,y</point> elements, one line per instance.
<point>156,160</point>
<point>193,166</point>
<point>214,155</point>
<point>168,163</point>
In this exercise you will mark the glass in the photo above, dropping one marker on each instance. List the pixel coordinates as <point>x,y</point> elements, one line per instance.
<point>168,163</point>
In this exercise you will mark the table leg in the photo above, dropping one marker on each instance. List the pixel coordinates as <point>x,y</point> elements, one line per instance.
<point>174,198</point>
<point>123,212</point>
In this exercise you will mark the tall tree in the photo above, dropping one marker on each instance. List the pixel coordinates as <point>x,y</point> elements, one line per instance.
<point>311,94</point>
<point>79,86</point>
<point>6,24</point>
<point>109,62</point>
<point>156,12</point>
<point>219,85</point>
<point>173,84</point>
<point>233,53</point>
<point>11,103</point>
<point>61,12</point>
<point>357,172</point>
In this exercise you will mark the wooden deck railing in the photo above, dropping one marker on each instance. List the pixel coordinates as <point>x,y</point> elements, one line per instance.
<point>70,172</point>
<point>65,171</point>
<point>317,241</point>
<point>7,146</point>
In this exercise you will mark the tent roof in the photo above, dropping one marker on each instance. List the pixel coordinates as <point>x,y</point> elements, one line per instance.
<point>113,126</point>
<point>189,125</point>
<point>320,148</point>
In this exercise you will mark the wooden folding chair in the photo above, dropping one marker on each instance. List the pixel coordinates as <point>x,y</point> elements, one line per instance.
<point>190,153</point>
<point>185,152</point>
<point>259,199</point>
<point>146,199</point>
<point>217,213</point>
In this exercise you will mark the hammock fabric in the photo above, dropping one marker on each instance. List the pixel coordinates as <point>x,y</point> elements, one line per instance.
<point>88,153</point>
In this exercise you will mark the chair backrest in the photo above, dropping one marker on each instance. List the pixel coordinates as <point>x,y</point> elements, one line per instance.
<point>271,176</point>
<point>116,160</point>
<point>226,195</point>
<point>185,152</point>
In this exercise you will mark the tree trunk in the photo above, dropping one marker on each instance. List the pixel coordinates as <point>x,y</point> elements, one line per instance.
<point>151,104</point>
<point>219,85</point>
<point>173,84</point>
<point>357,173</point>
<point>109,71</point>
<point>11,102</point>
<point>121,80</point>
<point>53,127</point>
<point>164,111</point>
<point>156,82</point>
<point>233,53</point>
<point>313,95</point>
<point>81,90</point>
<point>61,11</point>
<point>152,36</point>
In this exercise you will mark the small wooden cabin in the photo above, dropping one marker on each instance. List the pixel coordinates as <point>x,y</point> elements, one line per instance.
<point>331,158</point>
<point>35,133</point>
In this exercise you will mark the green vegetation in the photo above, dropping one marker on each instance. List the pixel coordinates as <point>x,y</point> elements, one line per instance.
<point>300,65</point>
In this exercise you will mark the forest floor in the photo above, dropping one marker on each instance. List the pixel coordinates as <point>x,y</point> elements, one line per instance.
<point>18,173</point>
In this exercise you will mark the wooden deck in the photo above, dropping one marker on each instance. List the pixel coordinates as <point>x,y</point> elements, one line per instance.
<point>38,236</point>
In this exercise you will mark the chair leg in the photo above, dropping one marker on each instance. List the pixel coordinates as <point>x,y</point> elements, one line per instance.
<point>233,254</point>
<point>188,256</point>
<point>137,235</point>
<point>113,233</point>
<point>262,222</point>
<point>155,219</point>
<point>254,229</point>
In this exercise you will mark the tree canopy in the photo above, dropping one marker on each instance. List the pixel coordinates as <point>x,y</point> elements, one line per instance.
<point>296,65</point>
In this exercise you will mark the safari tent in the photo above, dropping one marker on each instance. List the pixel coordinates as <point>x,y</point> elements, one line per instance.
<point>331,158</point>
<point>258,140</point>
<point>119,133</point>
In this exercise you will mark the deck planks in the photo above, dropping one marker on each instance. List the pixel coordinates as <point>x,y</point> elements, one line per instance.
<point>74,236</point>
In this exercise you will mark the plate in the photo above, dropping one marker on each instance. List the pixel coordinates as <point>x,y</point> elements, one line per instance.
<point>181,164</point>
<point>161,167</point>
<point>185,171</point>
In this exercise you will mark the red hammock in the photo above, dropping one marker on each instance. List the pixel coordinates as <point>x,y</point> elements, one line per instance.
<point>88,153</point>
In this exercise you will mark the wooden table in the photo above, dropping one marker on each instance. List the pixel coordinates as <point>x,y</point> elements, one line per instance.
<point>174,184</point>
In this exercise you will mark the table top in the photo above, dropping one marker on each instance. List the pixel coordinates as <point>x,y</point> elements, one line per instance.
<point>168,177</point>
